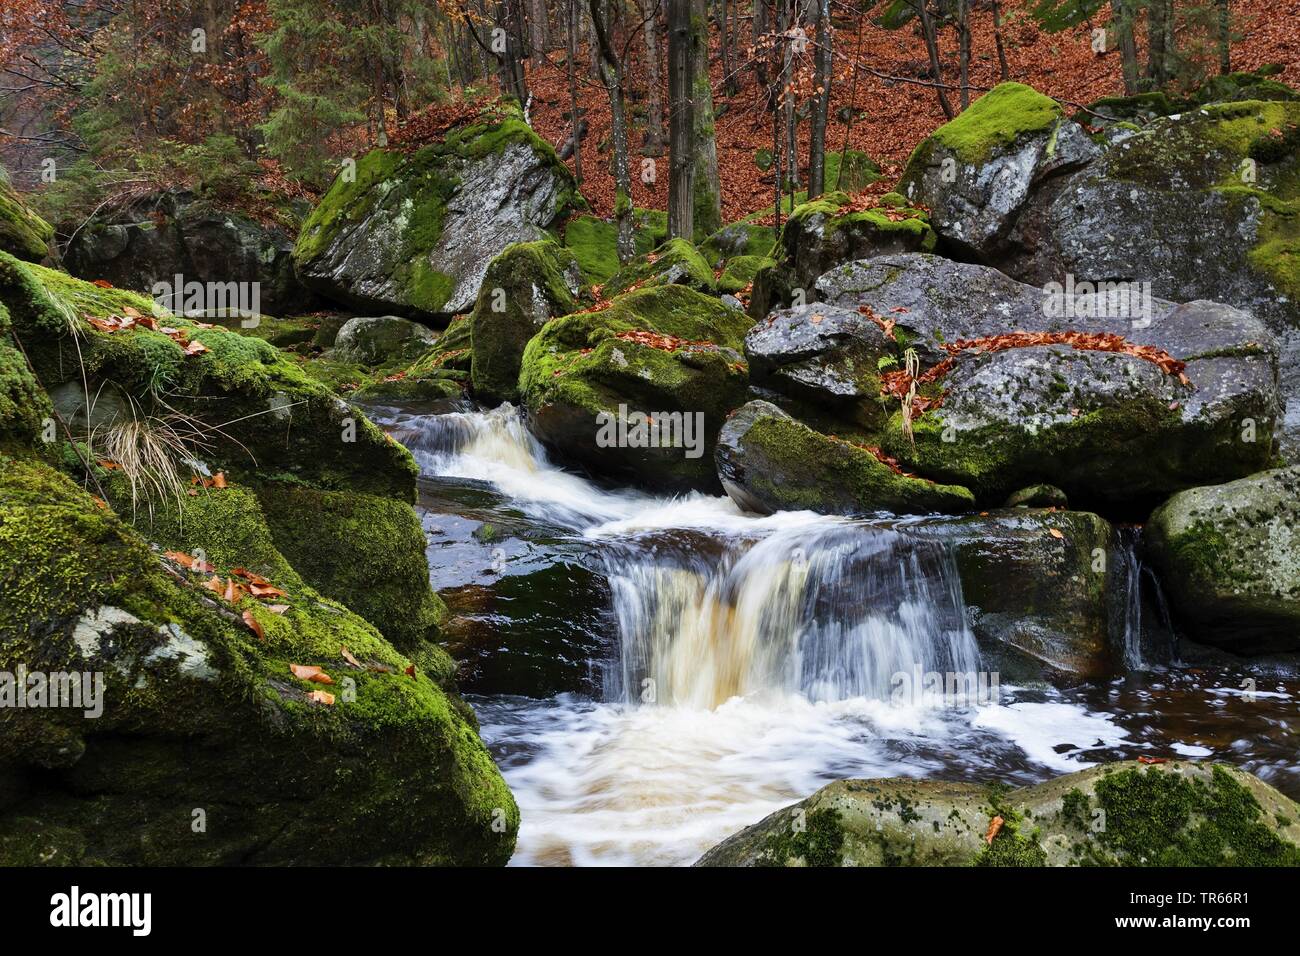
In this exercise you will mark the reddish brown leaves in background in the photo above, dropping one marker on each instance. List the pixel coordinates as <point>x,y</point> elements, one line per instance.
<point>1083,341</point>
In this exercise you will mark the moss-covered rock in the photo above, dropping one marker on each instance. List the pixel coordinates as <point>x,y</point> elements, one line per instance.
<point>248,405</point>
<point>739,272</point>
<point>676,262</point>
<point>742,239</point>
<point>526,286</point>
<point>1119,814</point>
<point>1229,558</point>
<point>382,340</point>
<point>25,408</point>
<point>413,232</point>
<point>208,748</point>
<point>660,351</point>
<point>768,461</point>
<point>22,232</point>
<point>594,241</point>
<point>364,551</point>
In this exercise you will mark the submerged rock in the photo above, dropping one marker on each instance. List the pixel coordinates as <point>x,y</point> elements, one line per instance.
<point>1119,814</point>
<point>638,390</point>
<point>413,232</point>
<point>201,712</point>
<point>1229,559</point>
<point>768,461</point>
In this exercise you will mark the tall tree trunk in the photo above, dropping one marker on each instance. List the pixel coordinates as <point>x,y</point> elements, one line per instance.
<point>572,22</point>
<point>681,122</point>
<point>538,38</point>
<point>654,120</point>
<point>759,27</point>
<point>724,47</point>
<point>822,105</point>
<point>932,49</point>
<point>963,45</point>
<point>997,40</point>
<point>1225,36</point>
<point>1122,17</point>
<point>611,75</point>
<point>707,189</point>
<point>789,19</point>
<point>1155,73</point>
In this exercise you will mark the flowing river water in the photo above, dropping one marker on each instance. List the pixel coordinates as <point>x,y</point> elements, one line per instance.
<point>653,674</point>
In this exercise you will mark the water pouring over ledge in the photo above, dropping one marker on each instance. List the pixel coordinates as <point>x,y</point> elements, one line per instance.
<point>750,660</point>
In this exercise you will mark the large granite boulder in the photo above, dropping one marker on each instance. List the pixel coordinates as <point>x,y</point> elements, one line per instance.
<point>382,340</point>
<point>1119,814</point>
<point>639,389</point>
<point>1229,559</point>
<point>173,233</point>
<point>413,231</point>
<point>1156,398</point>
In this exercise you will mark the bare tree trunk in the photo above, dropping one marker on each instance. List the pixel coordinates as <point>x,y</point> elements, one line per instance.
<point>681,123</point>
<point>571,55</point>
<point>788,20</point>
<point>724,46</point>
<point>1155,73</point>
<point>1225,36</point>
<point>611,74</point>
<point>932,48</point>
<point>707,189</point>
<point>654,123</point>
<point>997,40</point>
<point>538,38</point>
<point>1123,20</point>
<point>963,44</point>
<point>822,104</point>
<point>759,26</point>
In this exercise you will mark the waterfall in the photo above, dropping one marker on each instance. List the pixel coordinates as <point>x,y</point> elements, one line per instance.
<point>831,612</point>
<point>1145,627</point>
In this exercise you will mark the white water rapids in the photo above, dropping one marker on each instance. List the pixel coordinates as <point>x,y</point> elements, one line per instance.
<point>752,664</point>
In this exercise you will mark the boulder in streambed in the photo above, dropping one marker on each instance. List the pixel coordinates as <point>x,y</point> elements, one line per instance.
<point>1229,561</point>
<point>1171,814</point>
<point>638,389</point>
<point>1013,389</point>
<point>768,461</point>
<point>382,340</point>
<point>249,708</point>
<point>526,286</point>
<point>413,231</point>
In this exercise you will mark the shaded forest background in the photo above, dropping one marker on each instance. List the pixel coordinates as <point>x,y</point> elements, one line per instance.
<point>255,102</point>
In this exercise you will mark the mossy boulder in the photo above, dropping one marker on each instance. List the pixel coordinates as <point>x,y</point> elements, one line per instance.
<point>1229,560</point>
<point>739,271</point>
<point>364,551</point>
<point>413,232</point>
<point>382,340</point>
<point>526,286</point>
<point>25,408</point>
<point>208,749</point>
<point>250,406</point>
<point>676,262</point>
<point>768,461</point>
<point>739,240</point>
<point>594,241</point>
<point>1118,814</point>
<point>1106,426</point>
<point>975,173</point>
<point>175,232</point>
<point>22,232</point>
<point>664,351</point>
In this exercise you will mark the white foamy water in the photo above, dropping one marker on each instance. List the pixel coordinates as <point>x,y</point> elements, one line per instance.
<point>755,663</point>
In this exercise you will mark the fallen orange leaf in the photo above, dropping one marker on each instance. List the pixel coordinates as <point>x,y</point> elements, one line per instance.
<point>1055,532</point>
<point>310,672</point>
<point>347,656</point>
<point>254,626</point>
<point>321,697</point>
<point>995,825</point>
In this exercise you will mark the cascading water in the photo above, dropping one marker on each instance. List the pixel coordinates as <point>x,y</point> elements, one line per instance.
<point>753,660</point>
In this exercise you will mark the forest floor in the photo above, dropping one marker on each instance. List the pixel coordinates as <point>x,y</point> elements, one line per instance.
<point>892,115</point>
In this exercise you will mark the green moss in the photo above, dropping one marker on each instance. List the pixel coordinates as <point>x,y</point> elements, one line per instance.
<point>676,256</point>
<point>594,242</point>
<point>818,843</point>
<point>1159,818</point>
<point>392,773</point>
<point>740,271</point>
<point>997,119</point>
<point>22,232</point>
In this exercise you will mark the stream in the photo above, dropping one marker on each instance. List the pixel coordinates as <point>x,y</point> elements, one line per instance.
<point>653,674</point>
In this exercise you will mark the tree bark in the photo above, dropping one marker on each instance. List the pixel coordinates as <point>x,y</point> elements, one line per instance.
<point>681,122</point>
<point>1225,36</point>
<point>932,49</point>
<point>611,75</point>
<point>572,22</point>
<point>822,105</point>
<point>707,189</point>
<point>997,40</point>
<point>963,45</point>
<point>654,123</point>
